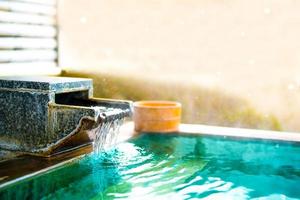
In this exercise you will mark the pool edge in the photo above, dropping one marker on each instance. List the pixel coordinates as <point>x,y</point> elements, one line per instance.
<point>127,132</point>
<point>197,129</point>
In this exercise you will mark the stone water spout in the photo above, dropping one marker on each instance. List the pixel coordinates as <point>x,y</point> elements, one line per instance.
<point>40,115</point>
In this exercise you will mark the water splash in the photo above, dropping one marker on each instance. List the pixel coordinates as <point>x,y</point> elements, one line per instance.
<point>106,134</point>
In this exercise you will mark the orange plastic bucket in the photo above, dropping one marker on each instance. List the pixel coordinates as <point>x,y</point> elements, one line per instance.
<point>156,116</point>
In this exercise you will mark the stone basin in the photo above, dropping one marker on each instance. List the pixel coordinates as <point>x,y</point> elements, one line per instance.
<point>40,115</point>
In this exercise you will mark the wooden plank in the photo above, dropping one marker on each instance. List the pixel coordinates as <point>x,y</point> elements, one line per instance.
<point>27,55</point>
<point>27,7</point>
<point>29,68</point>
<point>27,43</point>
<point>43,2</point>
<point>14,17</point>
<point>24,65</point>
<point>27,30</point>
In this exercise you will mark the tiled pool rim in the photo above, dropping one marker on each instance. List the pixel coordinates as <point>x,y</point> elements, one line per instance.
<point>127,132</point>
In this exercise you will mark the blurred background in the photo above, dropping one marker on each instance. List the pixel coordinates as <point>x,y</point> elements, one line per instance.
<point>230,63</point>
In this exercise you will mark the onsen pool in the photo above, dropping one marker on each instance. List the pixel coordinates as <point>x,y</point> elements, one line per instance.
<point>173,166</point>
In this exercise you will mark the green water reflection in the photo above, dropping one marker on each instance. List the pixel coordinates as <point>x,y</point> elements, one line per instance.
<point>176,167</point>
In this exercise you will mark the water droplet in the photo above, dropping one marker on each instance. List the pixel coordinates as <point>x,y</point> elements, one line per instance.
<point>251,62</point>
<point>243,34</point>
<point>267,11</point>
<point>83,20</point>
<point>267,115</point>
<point>291,87</point>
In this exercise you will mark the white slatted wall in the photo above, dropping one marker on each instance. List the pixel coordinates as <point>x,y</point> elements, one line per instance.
<point>28,34</point>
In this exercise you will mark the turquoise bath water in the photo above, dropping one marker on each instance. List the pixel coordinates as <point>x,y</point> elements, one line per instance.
<point>173,167</point>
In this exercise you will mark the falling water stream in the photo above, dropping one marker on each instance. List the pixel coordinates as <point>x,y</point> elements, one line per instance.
<point>106,134</point>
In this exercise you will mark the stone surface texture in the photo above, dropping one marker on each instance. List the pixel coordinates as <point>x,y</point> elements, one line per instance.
<point>30,119</point>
